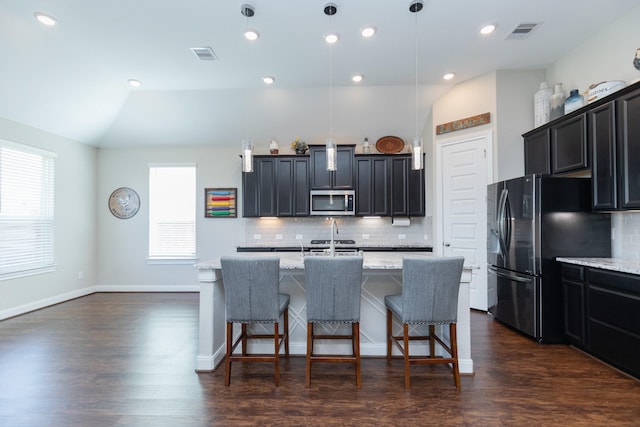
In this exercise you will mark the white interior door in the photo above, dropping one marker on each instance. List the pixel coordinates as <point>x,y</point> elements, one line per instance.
<point>464,208</point>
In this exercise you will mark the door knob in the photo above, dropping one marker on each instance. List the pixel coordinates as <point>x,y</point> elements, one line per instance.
<point>446,245</point>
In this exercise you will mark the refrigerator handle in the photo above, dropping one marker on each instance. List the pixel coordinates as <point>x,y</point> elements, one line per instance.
<point>502,204</point>
<point>508,276</point>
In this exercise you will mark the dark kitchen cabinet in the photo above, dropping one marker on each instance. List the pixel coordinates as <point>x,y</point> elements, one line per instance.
<point>407,188</point>
<point>278,186</point>
<point>602,141</point>
<point>573,292</point>
<point>292,186</point>
<point>373,185</point>
<point>340,179</point>
<point>602,314</point>
<point>569,150</point>
<point>628,114</point>
<point>537,152</point>
<point>259,189</point>
<point>614,318</point>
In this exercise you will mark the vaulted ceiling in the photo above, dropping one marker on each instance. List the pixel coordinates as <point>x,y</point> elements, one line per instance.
<point>71,79</point>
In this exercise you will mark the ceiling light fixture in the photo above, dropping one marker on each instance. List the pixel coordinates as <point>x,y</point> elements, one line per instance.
<point>332,38</point>
<point>268,80</point>
<point>45,19</point>
<point>247,11</point>
<point>448,76</point>
<point>417,162</point>
<point>357,78</point>
<point>251,35</point>
<point>368,32</point>
<point>487,29</point>
<point>135,83</point>
<point>331,9</point>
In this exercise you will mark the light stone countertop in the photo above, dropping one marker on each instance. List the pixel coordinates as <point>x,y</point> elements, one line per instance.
<point>613,264</point>
<point>293,260</point>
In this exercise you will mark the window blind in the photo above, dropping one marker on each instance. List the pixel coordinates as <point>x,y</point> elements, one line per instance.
<point>26,209</point>
<point>172,211</point>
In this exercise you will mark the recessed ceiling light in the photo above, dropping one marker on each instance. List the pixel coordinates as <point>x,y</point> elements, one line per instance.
<point>252,35</point>
<point>368,32</point>
<point>487,29</point>
<point>134,83</point>
<point>332,38</point>
<point>45,19</point>
<point>448,76</point>
<point>268,80</point>
<point>357,78</point>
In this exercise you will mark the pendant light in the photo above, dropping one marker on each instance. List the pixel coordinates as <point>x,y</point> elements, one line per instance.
<point>417,161</point>
<point>247,147</point>
<point>331,9</point>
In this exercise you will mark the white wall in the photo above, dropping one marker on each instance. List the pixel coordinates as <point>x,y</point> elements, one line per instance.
<point>75,225</point>
<point>123,244</point>
<point>607,55</point>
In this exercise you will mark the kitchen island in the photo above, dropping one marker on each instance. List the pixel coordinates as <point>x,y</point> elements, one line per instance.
<point>382,275</point>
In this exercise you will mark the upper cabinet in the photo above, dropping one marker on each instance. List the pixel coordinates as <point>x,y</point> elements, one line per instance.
<point>557,148</point>
<point>569,145</point>
<point>407,188</point>
<point>321,178</point>
<point>601,138</point>
<point>278,186</point>
<point>385,185</point>
<point>628,110</point>
<point>373,185</point>
<point>537,152</point>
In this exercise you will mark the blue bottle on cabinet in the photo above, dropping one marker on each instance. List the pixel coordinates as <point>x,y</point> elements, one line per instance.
<point>573,102</point>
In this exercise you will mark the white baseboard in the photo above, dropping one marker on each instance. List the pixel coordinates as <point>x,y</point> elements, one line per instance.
<point>37,305</point>
<point>46,302</point>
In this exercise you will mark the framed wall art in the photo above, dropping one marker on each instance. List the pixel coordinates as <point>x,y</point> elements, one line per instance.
<point>220,203</point>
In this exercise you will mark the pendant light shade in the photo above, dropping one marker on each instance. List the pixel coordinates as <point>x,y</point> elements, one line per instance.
<point>332,154</point>
<point>247,156</point>
<point>417,162</point>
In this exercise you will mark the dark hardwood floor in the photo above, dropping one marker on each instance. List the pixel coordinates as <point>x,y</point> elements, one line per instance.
<point>112,359</point>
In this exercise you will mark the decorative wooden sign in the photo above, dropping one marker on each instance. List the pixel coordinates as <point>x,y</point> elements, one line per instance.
<point>469,122</point>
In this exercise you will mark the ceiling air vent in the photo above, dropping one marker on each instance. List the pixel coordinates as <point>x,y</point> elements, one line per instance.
<point>522,31</point>
<point>204,53</point>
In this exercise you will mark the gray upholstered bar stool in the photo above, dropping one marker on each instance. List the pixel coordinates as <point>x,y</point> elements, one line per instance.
<point>430,288</point>
<point>333,296</point>
<point>252,297</point>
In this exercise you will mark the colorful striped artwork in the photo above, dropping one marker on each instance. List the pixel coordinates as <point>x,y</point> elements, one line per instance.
<point>220,202</point>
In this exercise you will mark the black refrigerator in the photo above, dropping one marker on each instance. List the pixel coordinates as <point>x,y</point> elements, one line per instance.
<point>531,220</point>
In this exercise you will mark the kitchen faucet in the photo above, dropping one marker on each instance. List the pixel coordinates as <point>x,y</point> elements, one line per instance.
<point>332,246</point>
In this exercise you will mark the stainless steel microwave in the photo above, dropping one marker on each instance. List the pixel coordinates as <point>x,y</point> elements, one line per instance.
<point>333,202</point>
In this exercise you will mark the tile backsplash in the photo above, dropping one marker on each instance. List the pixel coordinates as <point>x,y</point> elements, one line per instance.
<point>375,231</point>
<point>626,236</point>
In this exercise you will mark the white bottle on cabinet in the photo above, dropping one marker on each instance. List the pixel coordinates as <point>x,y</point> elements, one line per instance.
<point>542,105</point>
<point>557,101</point>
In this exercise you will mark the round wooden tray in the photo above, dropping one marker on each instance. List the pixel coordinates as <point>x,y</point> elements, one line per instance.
<point>389,144</point>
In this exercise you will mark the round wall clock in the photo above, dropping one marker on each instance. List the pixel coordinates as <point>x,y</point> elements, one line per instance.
<point>124,202</point>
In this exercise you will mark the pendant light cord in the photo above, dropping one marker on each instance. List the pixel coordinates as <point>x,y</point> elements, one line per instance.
<point>416,57</point>
<point>330,89</point>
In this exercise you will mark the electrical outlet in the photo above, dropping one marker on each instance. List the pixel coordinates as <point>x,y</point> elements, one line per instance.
<point>402,236</point>
<point>80,275</point>
<point>426,237</point>
<point>257,237</point>
<point>278,236</point>
<point>299,237</point>
<point>365,236</point>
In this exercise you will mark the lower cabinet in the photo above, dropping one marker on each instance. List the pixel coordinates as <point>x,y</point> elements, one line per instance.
<point>602,314</point>
<point>573,289</point>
